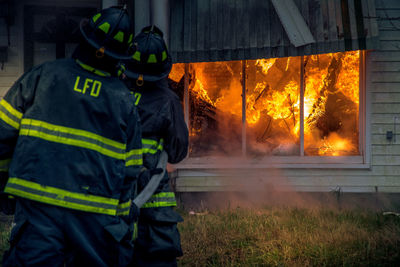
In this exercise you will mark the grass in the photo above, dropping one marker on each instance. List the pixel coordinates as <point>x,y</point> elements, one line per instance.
<point>290,237</point>
<point>5,228</point>
<point>273,236</point>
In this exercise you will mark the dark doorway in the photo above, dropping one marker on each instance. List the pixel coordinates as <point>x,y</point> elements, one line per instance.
<point>51,32</point>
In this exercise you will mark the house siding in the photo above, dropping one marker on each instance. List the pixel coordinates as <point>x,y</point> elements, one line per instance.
<point>383,114</point>
<point>382,172</point>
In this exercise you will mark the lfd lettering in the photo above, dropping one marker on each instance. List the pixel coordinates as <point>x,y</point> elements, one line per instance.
<point>137,96</point>
<point>93,85</point>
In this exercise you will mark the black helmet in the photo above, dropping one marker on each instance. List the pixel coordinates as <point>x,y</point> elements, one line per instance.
<point>110,32</point>
<point>150,60</point>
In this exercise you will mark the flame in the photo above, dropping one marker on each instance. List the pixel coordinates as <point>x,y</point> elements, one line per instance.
<point>334,145</point>
<point>177,72</point>
<point>273,99</point>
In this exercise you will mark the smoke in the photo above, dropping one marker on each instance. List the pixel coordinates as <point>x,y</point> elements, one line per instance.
<point>258,189</point>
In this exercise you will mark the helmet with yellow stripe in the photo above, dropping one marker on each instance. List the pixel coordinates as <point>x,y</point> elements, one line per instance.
<point>110,32</point>
<point>150,60</point>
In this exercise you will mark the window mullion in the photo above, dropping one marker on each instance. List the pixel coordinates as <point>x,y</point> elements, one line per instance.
<point>244,108</point>
<point>186,96</point>
<point>302,106</point>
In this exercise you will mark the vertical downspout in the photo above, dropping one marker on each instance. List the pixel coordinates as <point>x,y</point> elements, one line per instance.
<point>108,3</point>
<point>141,14</point>
<point>160,16</point>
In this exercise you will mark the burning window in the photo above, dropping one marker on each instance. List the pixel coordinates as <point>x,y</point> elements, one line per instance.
<point>259,107</point>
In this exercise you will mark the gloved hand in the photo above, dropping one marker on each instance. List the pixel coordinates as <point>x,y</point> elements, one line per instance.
<point>145,176</point>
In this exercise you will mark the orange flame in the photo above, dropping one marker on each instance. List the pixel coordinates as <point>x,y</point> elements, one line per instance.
<point>273,98</point>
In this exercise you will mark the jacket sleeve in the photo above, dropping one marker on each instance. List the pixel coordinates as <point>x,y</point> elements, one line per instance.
<point>12,107</point>
<point>134,158</point>
<point>177,137</point>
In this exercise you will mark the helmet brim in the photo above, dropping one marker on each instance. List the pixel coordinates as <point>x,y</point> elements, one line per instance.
<point>96,45</point>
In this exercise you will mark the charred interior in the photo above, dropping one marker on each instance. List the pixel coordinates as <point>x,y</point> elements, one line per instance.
<point>272,100</point>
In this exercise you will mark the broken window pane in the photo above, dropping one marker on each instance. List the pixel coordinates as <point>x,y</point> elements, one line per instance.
<point>273,106</point>
<point>331,101</point>
<point>215,109</point>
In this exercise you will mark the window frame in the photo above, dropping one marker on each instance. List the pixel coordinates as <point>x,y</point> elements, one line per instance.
<point>301,161</point>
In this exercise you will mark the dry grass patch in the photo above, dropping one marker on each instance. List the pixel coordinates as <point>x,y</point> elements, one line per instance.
<point>290,237</point>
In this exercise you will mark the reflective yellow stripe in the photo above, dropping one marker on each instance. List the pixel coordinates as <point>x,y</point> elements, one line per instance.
<point>134,157</point>
<point>134,152</point>
<point>4,164</point>
<point>160,204</point>
<point>93,70</point>
<point>60,197</point>
<point>75,137</point>
<point>10,115</point>
<point>164,194</point>
<point>135,231</point>
<point>163,199</point>
<point>123,208</point>
<point>151,146</point>
<point>134,162</point>
<point>10,109</point>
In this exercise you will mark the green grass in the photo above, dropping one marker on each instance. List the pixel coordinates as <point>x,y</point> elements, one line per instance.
<point>283,237</point>
<point>5,228</point>
<point>290,237</point>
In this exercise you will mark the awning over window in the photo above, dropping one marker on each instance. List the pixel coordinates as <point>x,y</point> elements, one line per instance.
<point>219,30</point>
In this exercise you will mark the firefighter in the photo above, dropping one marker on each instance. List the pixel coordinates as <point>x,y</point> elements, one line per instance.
<point>71,134</point>
<point>163,128</point>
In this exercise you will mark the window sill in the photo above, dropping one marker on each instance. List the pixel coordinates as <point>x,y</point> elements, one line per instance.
<point>293,162</point>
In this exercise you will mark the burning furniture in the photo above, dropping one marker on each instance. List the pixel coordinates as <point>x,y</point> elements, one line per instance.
<point>272,96</point>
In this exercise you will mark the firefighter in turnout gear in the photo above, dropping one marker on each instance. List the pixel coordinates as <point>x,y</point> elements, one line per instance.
<point>70,135</point>
<point>163,128</point>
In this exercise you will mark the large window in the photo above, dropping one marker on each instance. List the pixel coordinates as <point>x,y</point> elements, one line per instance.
<point>297,109</point>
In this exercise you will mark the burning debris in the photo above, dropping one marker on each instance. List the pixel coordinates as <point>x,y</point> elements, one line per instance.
<point>331,100</point>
